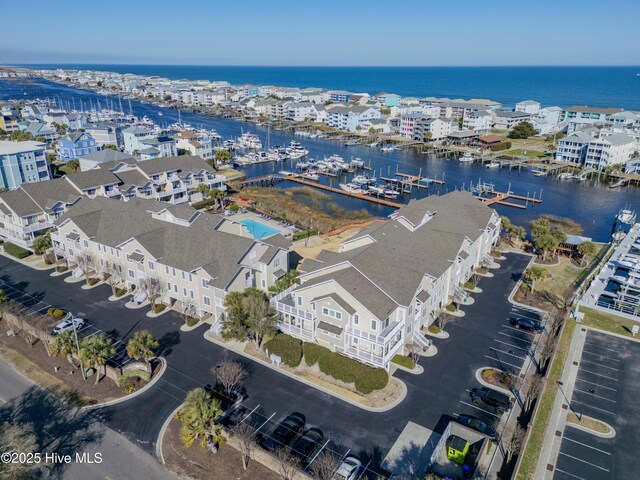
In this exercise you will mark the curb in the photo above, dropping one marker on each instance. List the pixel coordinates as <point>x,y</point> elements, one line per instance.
<point>517,286</point>
<point>611,434</point>
<point>153,381</point>
<point>186,328</point>
<point>386,408</point>
<point>417,370</point>
<point>156,315</point>
<point>163,430</point>
<point>132,306</point>
<point>490,385</point>
<point>90,287</point>
<point>27,264</point>
<point>72,279</point>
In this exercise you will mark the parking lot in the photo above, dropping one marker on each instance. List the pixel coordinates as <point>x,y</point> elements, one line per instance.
<point>606,389</point>
<point>32,305</point>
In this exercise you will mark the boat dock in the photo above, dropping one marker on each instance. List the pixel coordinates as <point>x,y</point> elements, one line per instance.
<point>501,198</point>
<point>625,179</point>
<point>361,196</point>
<point>262,181</point>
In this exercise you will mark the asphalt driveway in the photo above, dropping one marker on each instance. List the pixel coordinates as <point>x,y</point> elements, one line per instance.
<point>432,396</point>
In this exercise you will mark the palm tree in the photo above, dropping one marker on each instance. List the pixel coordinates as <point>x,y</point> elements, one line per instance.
<point>533,274</point>
<point>586,249</point>
<point>95,351</point>
<point>288,279</point>
<point>198,416</point>
<point>141,346</point>
<point>64,345</point>
<point>218,195</point>
<point>203,189</point>
<point>74,164</point>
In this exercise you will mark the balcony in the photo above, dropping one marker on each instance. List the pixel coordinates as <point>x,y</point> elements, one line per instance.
<point>37,226</point>
<point>366,357</point>
<point>297,331</point>
<point>283,303</point>
<point>114,192</point>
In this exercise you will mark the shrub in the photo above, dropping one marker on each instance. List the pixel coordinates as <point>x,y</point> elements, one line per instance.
<point>159,307</point>
<point>92,281</point>
<point>131,374</point>
<point>305,233</point>
<point>470,285</point>
<point>451,308</point>
<point>366,378</point>
<point>406,362</point>
<point>234,207</point>
<point>62,269</point>
<point>128,388</point>
<point>120,292</point>
<point>287,347</point>
<point>16,251</point>
<point>208,202</point>
<point>56,312</point>
<point>313,352</point>
<point>434,329</point>
<point>192,322</point>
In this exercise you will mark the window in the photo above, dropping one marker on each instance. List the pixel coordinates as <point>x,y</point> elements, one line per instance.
<point>299,299</point>
<point>166,269</point>
<point>205,283</point>
<point>174,271</point>
<point>191,294</point>
<point>184,277</point>
<point>264,284</point>
<point>86,244</point>
<point>169,285</point>
<point>207,301</point>
<point>132,274</point>
<point>175,288</point>
<point>356,319</point>
<point>355,340</point>
<point>151,267</point>
<point>331,313</point>
<point>276,262</point>
<point>184,292</point>
<point>190,278</point>
<point>374,325</point>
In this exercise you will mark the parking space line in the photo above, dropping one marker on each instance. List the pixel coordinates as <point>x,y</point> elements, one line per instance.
<point>584,461</point>
<point>515,338</point>
<point>585,445</point>
<point>507,353</point>
<point>600,346</point>
<point>597,363</point>
<point>597,396</point>
<point>598,374</point>
<point>511,345</point>
<point>503,362</point>
<point>600,355</point>
<point>591,406</point>
<point>518,330</point>
<point>596,384</point>
<point>481,409</point>
<point>569,474</point>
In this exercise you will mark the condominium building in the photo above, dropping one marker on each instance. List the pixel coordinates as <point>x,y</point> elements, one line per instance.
<point>588,114</point>
<point>31,209</point>
<point>22,162</point>
<point>432,129</point>
<point>508,120</point>
<point>573,148</point>
<point>610,150</point>
<point>479,122</point>
<point>387,283</point>
<point>197,144</point>
<point>170,252</point>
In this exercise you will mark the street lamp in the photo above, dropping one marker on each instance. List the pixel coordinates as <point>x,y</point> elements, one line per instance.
<point>560,383</point>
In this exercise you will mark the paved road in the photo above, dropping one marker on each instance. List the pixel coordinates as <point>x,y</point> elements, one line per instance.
<point>79,433</point>
<point>607,389</point>
<point>441,391</point>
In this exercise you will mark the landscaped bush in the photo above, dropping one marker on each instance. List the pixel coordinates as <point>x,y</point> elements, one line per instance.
<point>62,269</point>
<point>404,361</point>
<point>92,281</point>
<point>313,352</point>
<point>470,285</point>
<point>482,270</point>
<point>451,308</point>
<point>192,322</point>
<point>120,292</point>
<point>286,347</point>
<point>366,379</point>
<point>207,202</point>
<point>133,373</point>
<point>434,329</point>
<point>56,312</point>
<point>159,307</point>
<point>16,251</point>
<point>305,233</point>
<point>500,146</point>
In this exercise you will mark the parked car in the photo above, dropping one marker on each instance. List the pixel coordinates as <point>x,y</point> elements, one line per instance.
<point>497,401</point>
<point>477,424</point>
<point>526,324</point>
<point>67,324</point>
<point>348,469</point>
<point>307,444</point>
<point>285,432</point>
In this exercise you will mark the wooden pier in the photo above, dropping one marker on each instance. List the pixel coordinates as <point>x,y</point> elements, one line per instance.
<point>502,197</point>
<point>361,196</point>
<point>265,180</point>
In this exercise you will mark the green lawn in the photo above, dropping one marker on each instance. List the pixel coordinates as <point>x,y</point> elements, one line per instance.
<point>607,321</point>
<point>518,152</point>
<point>540,422</point>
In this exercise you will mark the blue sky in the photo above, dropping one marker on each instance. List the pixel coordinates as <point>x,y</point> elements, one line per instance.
<point>324,32</point>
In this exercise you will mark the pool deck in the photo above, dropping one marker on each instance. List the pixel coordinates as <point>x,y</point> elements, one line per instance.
<point>286,231</point>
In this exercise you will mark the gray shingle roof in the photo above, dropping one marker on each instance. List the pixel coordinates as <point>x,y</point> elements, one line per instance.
<point>93,178</point>
<point>183,163</point>
<point>107,155</point>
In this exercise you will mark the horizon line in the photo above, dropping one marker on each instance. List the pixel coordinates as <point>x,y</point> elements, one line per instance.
<point>319,66</point>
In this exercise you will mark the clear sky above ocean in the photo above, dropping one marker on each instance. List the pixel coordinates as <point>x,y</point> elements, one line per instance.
<point>329,32</point>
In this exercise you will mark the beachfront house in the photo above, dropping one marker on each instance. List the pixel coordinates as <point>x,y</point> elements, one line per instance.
<point>133,136</point>
<point>432,129</point>
<point>508,120</point>
<point>387,283</point>
<point>22,162</point>
<point>74,145</point>
<point>190,264</point>
<point>609,150</point>
<point>588,114</point>
<point>528,106</point>
<point>351,118</point>
<point>479,121</point>
<point>573,148</point>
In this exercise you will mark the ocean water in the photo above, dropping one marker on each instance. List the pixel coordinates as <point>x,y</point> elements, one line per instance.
<point>562,86</point>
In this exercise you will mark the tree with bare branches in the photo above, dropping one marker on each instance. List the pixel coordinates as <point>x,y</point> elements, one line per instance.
<point>325,465</point>
<point>532,390</point>
<point>155,290</point>
<point>514,436</point>
<point>230,375</point>
<point>112,275</point>
<point>86,262</point>
<point>443,320</point>
<point>287,465</point>
<point>188,310</point>
<point>245,435</point>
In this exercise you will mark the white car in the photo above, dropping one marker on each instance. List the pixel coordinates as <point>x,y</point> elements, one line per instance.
<point>68,324</point>
<point>348,469</point>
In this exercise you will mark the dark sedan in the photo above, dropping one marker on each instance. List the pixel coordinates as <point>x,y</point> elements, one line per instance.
<point>307,444</point>
<point>526,324</point>
<point>285,432</point>
<point>477,424</point>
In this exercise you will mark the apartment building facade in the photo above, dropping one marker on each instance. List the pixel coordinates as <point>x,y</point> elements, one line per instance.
<point>172,253</point>
<point>373,297</point>
<point>23,162</point>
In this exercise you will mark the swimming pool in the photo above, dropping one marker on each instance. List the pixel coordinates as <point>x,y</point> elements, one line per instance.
<point>259,230</point>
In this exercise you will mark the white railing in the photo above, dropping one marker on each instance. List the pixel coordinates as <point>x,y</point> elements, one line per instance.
<point>284,308</point>
<point>55,237</point>
<point>112,193</point>
<point>297,331</point>
<point>59,251</point>
<point>377,339</point>
<point>368,357</point>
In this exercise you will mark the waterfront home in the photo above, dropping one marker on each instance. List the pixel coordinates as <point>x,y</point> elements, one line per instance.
<point>339,96</point>
<point>464,137</point>
<point>508,120</point>
<point>97,157</point>
<point>10,123</point>
<point>588,114</point>
<point>32,111</point>
<point>350,118</point>
<point>573,148</point>
<point>485,142</point>
<point>74,145</point>
<point>105,134</point>
<point>191,264</point>
<point>408,123</point>
<point>41,130</point>
<point>197,144</point>
<point>387,99</point>
<point>133,136</point>
<point>299,111</point>
<point>74,121</point>
<point>22,162</point>
<point>431,129</point>
<point>528,106</point>
<point>479,121</point>
<point>31,209</point>
<point>154,147</point>
<point>390,281</point>
<point>615,149</point>
<point>623,120</point>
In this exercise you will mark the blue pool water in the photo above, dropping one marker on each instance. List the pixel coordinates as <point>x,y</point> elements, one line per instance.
<point>258,230</point>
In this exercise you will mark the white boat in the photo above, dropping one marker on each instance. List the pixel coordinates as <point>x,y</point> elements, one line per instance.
<point>564,176</point>
<point>388,193</point>
<point>364,180</point>
<point>466,158</point>
<point>250,141</point>
<point>492,165</point>
<point>295,150</point>
<point>160,113</point>
<point>311,175</point>
<point>302,165</point>
<point>376,189</point>
<point>388,148</point>
<point>357,163</point>
<point>350,187</point>
<point>626,216</point>
<point>286,173</point>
